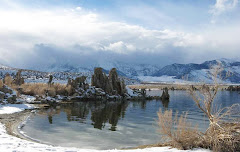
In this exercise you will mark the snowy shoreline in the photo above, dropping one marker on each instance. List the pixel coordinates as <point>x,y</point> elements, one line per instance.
<point>10,141</point>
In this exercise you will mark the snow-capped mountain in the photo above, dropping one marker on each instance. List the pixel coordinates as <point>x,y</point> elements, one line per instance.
<point>143,72</point>
<point>124,69</point>
<point>201,72</point>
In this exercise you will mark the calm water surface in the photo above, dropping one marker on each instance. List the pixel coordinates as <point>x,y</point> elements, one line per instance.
<point>109,125</point>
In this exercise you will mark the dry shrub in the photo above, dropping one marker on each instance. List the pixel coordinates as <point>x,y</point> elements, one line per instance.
<point>8,80</point>
<point>226,139</point>
<point>69,90</point>
<point>221,135</point>
<point>42,89</point>
<point>218,137</point>
<point>52,92</point>
<point>34,89</point>
<point>177,131</point>
<point>1,83</point>
<point>60,89</point>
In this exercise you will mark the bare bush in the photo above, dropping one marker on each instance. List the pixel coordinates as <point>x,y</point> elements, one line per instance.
<point>217,137</point>
<point>221,136</point>
<point>1,83</point>
<point>8,80</point>
<point>177,131</point>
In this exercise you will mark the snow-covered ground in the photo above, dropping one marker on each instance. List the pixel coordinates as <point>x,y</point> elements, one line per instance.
<point>162,79</point>
<point>12,108</point>
<point>10,143</point>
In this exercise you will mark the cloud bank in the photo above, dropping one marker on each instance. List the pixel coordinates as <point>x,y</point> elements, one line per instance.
<point>79,36</point>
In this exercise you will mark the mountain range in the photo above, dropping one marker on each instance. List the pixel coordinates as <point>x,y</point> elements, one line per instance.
<point>143,72</point>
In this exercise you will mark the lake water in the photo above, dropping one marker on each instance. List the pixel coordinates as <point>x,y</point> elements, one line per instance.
<point>110,125</point>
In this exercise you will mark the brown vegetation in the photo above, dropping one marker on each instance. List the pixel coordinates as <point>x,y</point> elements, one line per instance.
<point>177,131</point>
<point>220,136</point>
<point>8,80</point>
<point>42,89</point>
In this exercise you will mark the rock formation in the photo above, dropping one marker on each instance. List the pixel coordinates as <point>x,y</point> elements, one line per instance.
<point>117,86</point>
<point>165,94</point>
<point>50,80</point>
<point>110,84</point>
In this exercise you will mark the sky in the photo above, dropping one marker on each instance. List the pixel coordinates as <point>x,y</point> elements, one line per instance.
<point>41,33</point>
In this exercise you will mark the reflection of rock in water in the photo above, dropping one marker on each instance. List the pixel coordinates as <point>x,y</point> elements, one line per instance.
<point>50,119</point>
<point>165,103</point>
<point>101,112</point>
<point>110,112</point>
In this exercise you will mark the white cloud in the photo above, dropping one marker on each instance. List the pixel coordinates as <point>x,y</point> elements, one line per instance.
<point>222,6</point>
<point>120,47</point>
<point>22,30</point>
<point>81,32</point>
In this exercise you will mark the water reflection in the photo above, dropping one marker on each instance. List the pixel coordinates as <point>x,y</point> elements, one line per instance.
<point>100,113</point>
<point>120,124</point>
<point>165,103</point>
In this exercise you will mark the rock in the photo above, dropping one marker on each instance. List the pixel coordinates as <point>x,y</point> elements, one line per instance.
<point>165,94</point>
<point>50,80</point>
<point>111,84</point>
<point>12,99</point>
<point>6,89</point>
<point>233,88</point>
<point>99,79</point>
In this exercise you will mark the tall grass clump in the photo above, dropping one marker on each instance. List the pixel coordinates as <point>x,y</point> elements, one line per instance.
<point>221,135</point>
<point>8,80</point>
<point>43,89</point>
<point>1,83</point>
<point>177,131</point>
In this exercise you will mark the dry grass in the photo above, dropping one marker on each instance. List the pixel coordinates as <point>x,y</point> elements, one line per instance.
<point>42,89</point>
<point>177,131</point>
<point>1,83</point>
<point>221,136</point>
<point>8,80</point>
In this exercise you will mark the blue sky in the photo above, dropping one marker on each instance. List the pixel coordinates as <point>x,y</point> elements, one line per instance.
<point>160,32</point>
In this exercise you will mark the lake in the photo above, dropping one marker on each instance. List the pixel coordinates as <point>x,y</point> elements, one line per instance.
<point>110,125</point>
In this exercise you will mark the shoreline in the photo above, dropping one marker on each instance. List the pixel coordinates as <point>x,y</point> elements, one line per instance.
<point>13,121</point>
<point>9,125</point>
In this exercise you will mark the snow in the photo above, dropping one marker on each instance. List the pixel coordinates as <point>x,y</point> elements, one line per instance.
<point>164,78</point>
<point>28,99</point>
<point>12,108</point>
<point>130,92</point>
<point>10,143</point>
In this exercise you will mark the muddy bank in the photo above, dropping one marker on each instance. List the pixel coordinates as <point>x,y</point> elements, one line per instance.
<point>12,121</point>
